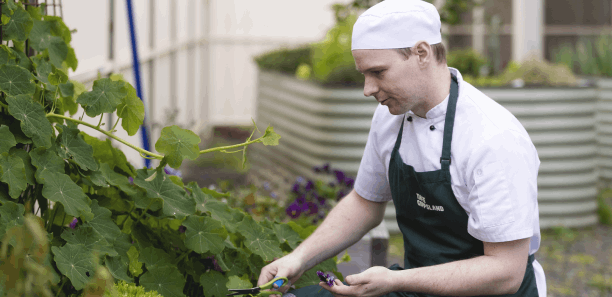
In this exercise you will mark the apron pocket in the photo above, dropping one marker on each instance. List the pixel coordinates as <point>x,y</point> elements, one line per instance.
<point>495,206</point>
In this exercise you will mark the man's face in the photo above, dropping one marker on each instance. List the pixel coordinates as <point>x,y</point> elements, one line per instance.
<point>393,80</point>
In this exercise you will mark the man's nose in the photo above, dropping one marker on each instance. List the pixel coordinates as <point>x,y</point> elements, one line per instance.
<point>369,88</point>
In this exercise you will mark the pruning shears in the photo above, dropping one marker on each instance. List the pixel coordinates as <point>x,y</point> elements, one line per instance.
<point>278,281</point>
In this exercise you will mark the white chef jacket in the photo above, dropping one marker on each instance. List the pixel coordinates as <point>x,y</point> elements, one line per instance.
<point>494,165</point>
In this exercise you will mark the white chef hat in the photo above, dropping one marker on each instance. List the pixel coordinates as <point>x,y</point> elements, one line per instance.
<point>397,24</point>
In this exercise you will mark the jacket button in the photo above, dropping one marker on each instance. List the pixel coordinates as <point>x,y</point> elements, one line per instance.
<point>432,128</point>
<point>409,119</point>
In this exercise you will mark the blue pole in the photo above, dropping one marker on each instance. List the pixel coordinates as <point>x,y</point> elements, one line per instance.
<point>136,62</point>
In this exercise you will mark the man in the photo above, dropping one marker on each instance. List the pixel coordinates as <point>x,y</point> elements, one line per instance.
<point>460,169</point>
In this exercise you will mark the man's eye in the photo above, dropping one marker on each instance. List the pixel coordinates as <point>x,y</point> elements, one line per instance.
<point>377,72</point>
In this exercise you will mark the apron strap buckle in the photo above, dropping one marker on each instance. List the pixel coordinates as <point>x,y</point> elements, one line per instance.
<point>442,159</point>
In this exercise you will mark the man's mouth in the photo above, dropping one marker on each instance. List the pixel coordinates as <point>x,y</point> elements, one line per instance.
<point>383,102</point>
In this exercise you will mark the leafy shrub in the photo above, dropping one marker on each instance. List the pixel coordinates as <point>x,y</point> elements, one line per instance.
<point>285,60</point>
<point>123,289</point>
<point>100,218</point>
<point>590,58</point>
<point>467,61</point>
<point>535,71</point>
<point>604,207</point>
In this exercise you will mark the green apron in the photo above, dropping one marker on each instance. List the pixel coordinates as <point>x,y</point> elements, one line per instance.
<point>433,223</point>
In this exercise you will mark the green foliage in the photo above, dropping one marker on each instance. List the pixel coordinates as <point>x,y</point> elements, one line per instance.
<point>123,289</point>
<point>604,207</point>
<point>467,61</point>
<point>590,58</point>
<point>100,218</point>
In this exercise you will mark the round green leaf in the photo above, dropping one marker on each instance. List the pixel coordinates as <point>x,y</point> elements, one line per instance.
<point>167,281</point>
<point>13,174</point>
<point>60,188</point>
<point>104,97</point>
<point>236,282</point>
<point>46,161</point>
<point>92,240</point>
<point>40,35</point>
<point>131,111</point>
<point>176,202</point>
<point>11,214</point>
<point>204,234</point>
<point>102,222</point>
<point>75,262</point>
<point>34,123</point>
<point>16,80</point>
<point>18,27</point>
<point>8,139</point>
<point>27,163</point>
<point>154,258</point>
<point>214,283</point>
<point>71,145</point>
<point>259,240</point>
<point>118,267</point>
<point>177,144</point>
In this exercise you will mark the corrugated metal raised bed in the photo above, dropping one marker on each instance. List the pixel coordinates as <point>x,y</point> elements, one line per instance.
<point>321,125</point>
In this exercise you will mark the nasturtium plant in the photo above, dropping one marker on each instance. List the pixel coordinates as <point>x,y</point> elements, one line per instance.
<point>75,213</point>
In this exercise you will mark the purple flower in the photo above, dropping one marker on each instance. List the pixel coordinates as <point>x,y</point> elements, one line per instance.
<point>326,167</point>
<point>266,186</point>
<point>182,229</point>
<point>273,195</point>
<point>339,176</point>
<point>294,210</point>
<point>327,278</point>
<point>301,199</point>
<point>349,182</point>
<point>214,263</point>
<point>309,186</point>
<point>313,207</point>
<point>330,279</point>
<point>131,180</point>
<point>300,180</point>
<point>321,276</point>
<point>295,188</point>
<point>74,223</point>
<point>317,169</point>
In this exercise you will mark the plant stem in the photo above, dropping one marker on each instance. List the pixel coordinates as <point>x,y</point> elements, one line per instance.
<point>3,105</point>
<point>180,258</point>
<point>52,219</point>
<point>100,122</point>
<point>107,134</point>
<point>145,211</point>
<point>59,290</point>
<point>229,146</point>
<point>144,152</point>
<point>129,215</point>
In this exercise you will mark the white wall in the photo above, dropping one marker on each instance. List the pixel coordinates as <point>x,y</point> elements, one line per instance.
<point>196,55</point>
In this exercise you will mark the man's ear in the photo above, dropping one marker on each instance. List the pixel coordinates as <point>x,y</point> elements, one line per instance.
<point>424,53</point>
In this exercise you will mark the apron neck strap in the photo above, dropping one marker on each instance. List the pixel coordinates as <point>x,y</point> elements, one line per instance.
<point>449,123</point>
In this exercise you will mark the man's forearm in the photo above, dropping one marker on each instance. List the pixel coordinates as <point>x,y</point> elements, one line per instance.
<point>348,222</point>
<point>483,275</point>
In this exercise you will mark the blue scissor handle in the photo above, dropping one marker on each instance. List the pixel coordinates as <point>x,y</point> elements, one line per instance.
<point>279,283</point>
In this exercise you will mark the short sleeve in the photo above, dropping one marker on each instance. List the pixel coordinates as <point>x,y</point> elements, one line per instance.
<point>502,178</point>
<point>371,182</point>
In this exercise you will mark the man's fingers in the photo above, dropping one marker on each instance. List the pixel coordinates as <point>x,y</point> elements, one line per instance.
<point>354,279</point>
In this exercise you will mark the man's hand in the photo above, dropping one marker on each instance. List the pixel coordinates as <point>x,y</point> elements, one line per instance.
<point>288,266</point>
<point>372,282</point>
